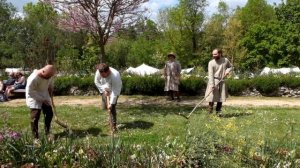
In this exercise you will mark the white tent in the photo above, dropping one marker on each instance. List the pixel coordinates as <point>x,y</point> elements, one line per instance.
<point>142,70</point>
<point>268,70</point>
<point>187,71</point>
<point>130,70</point>
<point>8,70</point>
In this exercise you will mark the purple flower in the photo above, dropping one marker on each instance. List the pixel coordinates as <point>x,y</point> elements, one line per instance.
<point>1,137</point>
<point>14,135</point>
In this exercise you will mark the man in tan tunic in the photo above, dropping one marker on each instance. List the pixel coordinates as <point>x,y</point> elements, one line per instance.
<point>172,76</point>
<point>218,68</point>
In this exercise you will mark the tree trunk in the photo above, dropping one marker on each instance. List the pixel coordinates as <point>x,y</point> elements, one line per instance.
<point>194,41</point>
<point>102,55</point>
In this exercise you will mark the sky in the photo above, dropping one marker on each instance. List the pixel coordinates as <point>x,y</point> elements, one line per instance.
<point>154,5</point>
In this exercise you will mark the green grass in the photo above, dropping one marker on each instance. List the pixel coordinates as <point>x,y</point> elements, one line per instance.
<point>249,132</point>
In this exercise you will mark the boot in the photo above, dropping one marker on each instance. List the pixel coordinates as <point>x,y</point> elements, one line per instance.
<point>170,95</point>
<point>178,96</point>
<point>219,108</point>
<point>210,107</point>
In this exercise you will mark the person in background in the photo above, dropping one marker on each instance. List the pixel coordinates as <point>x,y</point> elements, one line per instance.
<point>10,81</point>
<point>109,83</point>
<point>172,71</point>
<point>39,91</point>
<point>20,83</point>
<point>218,68</point>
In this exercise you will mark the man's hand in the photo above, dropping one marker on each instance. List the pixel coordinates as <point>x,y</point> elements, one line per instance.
<point>109,106</point>
<point>226,74</point>
<point>106,93</point>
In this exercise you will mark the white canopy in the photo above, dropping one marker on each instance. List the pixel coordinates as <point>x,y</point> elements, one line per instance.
<point>268,70</point>
<point>8,70</point>
<point>187,71</point>
<point>142,70</point>
<point>130,70</point>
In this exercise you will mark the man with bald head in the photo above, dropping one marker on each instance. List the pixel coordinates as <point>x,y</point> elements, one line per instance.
<point>38,97</point>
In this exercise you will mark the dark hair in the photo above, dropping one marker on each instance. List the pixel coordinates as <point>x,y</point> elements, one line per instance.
<point>103,67</point>
<point>219,51</point>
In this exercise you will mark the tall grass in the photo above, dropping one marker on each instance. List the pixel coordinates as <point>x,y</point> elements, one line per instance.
<point>154,136</point>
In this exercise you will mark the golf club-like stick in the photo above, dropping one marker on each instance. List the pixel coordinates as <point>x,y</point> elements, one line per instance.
<point>56,119</point>
<point>109,113</point>
<point>188,116</point>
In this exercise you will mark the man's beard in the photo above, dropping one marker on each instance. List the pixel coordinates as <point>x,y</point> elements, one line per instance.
<point>216,58</point>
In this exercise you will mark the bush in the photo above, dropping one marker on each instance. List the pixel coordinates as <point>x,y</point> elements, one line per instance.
<point>236,87</point>
<point>154,85</point>
<point>63,85</point>
<point>148,85</point>
<point>192,85</point>
<point>267,85</point>
<point>290,81</point>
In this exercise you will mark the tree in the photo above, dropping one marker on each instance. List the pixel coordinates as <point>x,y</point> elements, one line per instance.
<point>232,35</point>
<point>182,27</point>
<point>275,43</point>
<point>215,27</point>
<point>254,12</point>
<point>39,35</point>
<point>8,30</point>
<point>101,18</point>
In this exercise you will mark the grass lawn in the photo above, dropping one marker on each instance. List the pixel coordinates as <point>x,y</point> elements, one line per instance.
<point>242,136</point>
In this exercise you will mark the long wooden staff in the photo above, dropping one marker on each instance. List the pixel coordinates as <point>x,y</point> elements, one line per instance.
<point>56,119</point>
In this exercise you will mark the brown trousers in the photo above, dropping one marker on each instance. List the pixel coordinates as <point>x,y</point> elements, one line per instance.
<point>35,116</point>
<point>113,112</point>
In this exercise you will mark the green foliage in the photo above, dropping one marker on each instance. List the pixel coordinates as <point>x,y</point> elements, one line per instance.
<point>267,85</point>
<point>236,87</point>
<point>62,85</point>
<point>40,35</point>
<point>256,12</point>
<point>118,52</point>
<point>8,30</point>
<point>148,85</point>
<point>290,81</point>
<point>192,85</point>
<point>154,136</point>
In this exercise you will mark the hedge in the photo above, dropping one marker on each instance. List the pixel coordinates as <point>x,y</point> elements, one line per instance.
<point>154,85</point>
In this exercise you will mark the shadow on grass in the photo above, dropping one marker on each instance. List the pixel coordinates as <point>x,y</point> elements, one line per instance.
<point>79,133</point>
<point>143,110</point>
<point>229,115</point>
<point>136,124</point>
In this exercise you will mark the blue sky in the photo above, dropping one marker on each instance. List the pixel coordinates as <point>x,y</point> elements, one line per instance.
<point>155,5</point>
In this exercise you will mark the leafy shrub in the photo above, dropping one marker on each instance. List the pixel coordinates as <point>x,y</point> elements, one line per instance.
<point>148,85</point>
<point>154,85</point>
<point>267,85</point>
<point>290,81</point>
<point>236,87</point>
<point>64,84</point>
<point>192,85</point>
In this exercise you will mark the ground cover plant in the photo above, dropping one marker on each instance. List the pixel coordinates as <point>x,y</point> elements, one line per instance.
<point>154,135</point>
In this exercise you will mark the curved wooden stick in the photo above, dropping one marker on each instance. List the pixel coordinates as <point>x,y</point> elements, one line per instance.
<point>204,98</point>
<point>62,124</point>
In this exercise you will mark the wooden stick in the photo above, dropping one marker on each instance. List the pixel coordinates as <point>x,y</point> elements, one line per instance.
<point>204,98</point>
<point>56,119</point>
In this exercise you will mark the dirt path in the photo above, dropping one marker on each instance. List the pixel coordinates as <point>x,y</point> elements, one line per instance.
<point>192,101</point>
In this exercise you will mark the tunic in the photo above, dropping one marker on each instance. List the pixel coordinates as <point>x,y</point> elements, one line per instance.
<point>216,71</point>
<point>112,83</point>
<point>172,75</point>
<point>37,90</point>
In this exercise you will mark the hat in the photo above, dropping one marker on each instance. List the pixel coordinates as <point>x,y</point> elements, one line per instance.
<point>172,54</point>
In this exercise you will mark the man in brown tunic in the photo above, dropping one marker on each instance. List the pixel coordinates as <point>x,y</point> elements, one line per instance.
<point>172,76</point>
<point>218,68</point>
